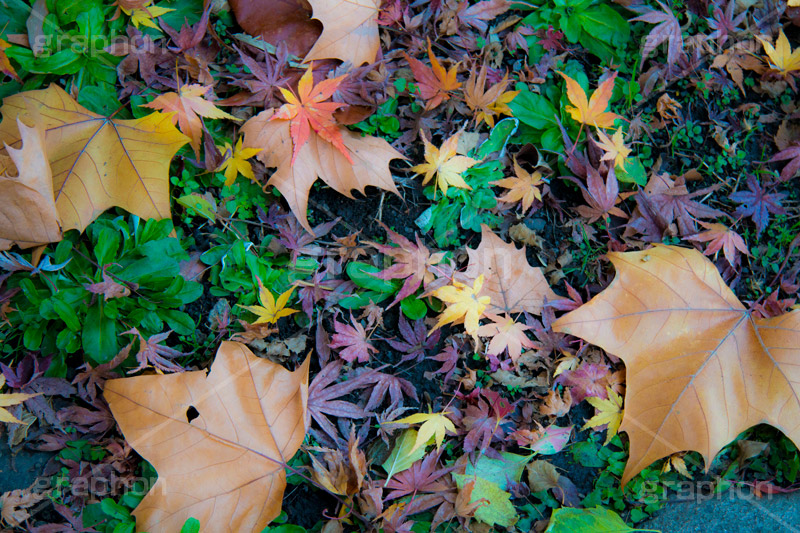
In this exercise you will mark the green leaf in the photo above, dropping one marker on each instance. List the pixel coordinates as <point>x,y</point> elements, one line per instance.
<point>499,471</point>
<point>413,307</point>
<point>499,509</point>
<point>178,321</point>
<point>200,205</point>
<point>633,172</point>
<point>533,109</point>
<point>596,520</point>
<point>604,23</point>
<point>99,335</point>
<point>363,275</point>
<point>192,525</point>
<point>498,137</point>
<point>402,457</point>
<point>66,313</point>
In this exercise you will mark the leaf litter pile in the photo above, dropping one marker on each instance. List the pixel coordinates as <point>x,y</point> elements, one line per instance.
<point>395,266</point>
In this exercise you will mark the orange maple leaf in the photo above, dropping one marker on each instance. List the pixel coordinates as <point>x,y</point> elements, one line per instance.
<point>591,112</point>
<point>523,187</point>
<point>701,368</point>
<point>308,110</point>
<point>434,82</point>
<point>486,103</point>
<point>318,158</point>
<point>189,105</point>
<point>5,65</point>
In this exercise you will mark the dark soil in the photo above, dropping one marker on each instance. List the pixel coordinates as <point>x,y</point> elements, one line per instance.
<point>19,468</point>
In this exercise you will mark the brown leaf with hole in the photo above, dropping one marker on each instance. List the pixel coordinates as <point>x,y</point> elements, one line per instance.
<point>349,30</point>
<point>28,215</point>
<point>700,367</point>
<point>513,285</point>
<point>318,158</point>
<point>97,162</point>
<point>226,465</point>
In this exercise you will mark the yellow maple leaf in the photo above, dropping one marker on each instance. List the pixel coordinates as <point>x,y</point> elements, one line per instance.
<point>236,161</point>
<point>591,111</point>
<point>677,463</point>
<point>463,304</point>
<point>434,426</point>
<point>9,400</point>
<point>270,310</point>
<point>781,57</point>
<point>188,105</point>
<point>145,15</point>
<point>444,164</point>
<point>609,412</point>
<point>614,148</point>
<point>523,187</point>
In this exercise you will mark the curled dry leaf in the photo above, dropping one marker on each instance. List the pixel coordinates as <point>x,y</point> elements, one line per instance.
<point>318,158</point>
<point>681,331</point>
<point>219,442</point>
<point>28,215</point>
<point>97,162</point>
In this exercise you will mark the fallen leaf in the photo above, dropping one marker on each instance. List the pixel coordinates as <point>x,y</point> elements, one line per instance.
<point>97,162</point>
<point>28,215</point>
<point>9,400</point>
<point>609,413</point>
<point>462,305</point>
<point>109,287</point>
<point>318,158</point>
<point>591,112</point>
<point>781,56</point>
<point>486,103</point>
<point>279,21</point>
<point>220,441</point>
<point>434,82</point>
<point>506,335</point>
<point>434,427</point>
<point>308,110</point>
<point>512,285</point>
<point>614,147</point>
<point>667,29</point>
<point>236,162</point>
<point>187,106</point>
<point>522,187</point>
<point>353,338</point>
<point>14,505</point>
<point>155,354</point>
<point>716,368</point>
<point>721,237</point>
<point>349,30</point>
<point>5,64</point>
<point>498,509</point>
<point>270,310</point>
<point>444,164</point>
<point>404,453</point>
<point>596,520</point>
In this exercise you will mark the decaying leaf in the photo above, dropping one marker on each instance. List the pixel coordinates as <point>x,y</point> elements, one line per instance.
<point>511,283</point>
<point>9,400</point>
<point>97,162</point>
<point>717,369</point>
<point>318,158</point>
<point>219,441</point>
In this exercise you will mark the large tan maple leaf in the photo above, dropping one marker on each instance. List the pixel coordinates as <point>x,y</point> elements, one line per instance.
<point>700,367</point>
<point>28,215</point>
<point>218,441</point>
<point>349,30</point>
<point>97,162</point>
<point>513,285</point>
<point>318,158</point>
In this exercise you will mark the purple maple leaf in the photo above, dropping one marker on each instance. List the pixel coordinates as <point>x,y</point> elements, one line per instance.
<point>415,339</point>
<point>758,203</point>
